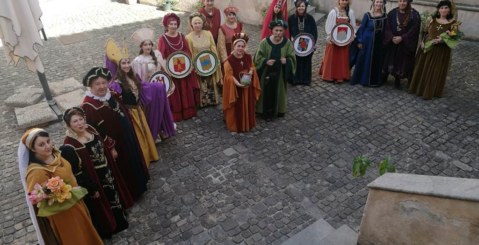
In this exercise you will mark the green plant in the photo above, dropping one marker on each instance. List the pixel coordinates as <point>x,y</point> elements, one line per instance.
<point>362,163</point>
<point>197,5</point>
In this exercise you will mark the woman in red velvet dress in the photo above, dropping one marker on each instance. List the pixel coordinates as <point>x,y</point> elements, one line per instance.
<point>185,98</point>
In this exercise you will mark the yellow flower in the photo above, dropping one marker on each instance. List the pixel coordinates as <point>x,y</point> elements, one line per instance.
<point>452,33</point>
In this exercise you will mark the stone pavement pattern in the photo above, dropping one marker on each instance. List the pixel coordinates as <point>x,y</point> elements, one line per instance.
<point>215,187</point>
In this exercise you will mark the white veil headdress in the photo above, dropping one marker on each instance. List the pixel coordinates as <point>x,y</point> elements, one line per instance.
<point>23,159</point>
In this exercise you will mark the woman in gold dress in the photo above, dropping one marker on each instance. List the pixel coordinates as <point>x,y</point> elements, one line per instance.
<point>199,39</point>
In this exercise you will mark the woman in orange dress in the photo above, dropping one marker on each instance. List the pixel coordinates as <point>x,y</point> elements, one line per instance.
<point>239,98</point>
<point>335,64</point>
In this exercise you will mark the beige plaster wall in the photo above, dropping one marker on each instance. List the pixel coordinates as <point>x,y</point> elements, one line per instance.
<point>250,10</point>
<point>404,218</point>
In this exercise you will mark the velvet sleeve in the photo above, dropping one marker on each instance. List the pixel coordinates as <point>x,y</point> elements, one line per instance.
<point>81,175</point>
<point>230,93</point>
<point>388,35</point>
<point>222,54</point>
<point>359,33</point>
<point>261,55</point>
<point>410,38</point>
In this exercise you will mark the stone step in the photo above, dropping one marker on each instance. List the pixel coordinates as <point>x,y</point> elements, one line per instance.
<point>34,115</point>
<point>342,236</point>
<point>312,234</point>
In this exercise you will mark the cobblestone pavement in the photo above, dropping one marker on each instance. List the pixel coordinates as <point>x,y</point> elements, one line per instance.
<point>216,187</point>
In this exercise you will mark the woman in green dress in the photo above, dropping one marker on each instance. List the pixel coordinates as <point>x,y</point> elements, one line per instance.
<point>434,58</point>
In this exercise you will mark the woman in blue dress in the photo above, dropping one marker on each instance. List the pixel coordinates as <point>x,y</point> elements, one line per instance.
<point>369,38</point>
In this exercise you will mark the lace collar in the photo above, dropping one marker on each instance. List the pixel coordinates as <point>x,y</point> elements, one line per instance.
<point>103,99</point>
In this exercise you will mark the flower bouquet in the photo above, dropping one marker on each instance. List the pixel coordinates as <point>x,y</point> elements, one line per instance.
<point>55,196</point>
<point>450,37</point>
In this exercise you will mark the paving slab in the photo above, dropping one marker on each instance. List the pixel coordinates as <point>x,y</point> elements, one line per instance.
<point>34,115</point>
<point>24,97</point>
<point>64,86</point>
<point>312,234</point>
<point>342,236</point>
<point>70,99</point>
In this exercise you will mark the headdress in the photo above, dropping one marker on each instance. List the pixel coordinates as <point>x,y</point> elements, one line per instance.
<point>278,22</point>
<point>237,37</point>
<point>230,9</point>
<point>200,16</point>
<point>141,35</point>
<point>296,2</point>
<point>170,16</point>
<point>70,111</point>
<point>94,73</point>
<point>30,135</point>
<point>116,52</point>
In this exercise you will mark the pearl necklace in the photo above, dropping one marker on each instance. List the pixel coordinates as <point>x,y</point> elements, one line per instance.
<point>174,45</point>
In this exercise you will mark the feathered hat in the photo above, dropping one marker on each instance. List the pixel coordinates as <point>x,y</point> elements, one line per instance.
<point>141,35</point>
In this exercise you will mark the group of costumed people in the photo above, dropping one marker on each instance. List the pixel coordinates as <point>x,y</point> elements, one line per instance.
<point>387,44</point>
<point>110,138</point>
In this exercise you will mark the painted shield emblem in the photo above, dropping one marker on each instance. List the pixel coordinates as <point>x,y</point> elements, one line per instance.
<point>342,34</point>
<point>178,64</point>
<point>206,63</point>
<point>163,77</point>
<point>303,44</point>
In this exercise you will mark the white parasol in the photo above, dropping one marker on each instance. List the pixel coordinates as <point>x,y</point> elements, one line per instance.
<point>19,31</point>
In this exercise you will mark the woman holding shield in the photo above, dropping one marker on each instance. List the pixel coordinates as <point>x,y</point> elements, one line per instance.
<point>185,97</point>
<point>302,22</point>
<point>335,64</point>
<point>200,40</point>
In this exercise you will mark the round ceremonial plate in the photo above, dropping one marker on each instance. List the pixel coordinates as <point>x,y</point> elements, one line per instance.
<point>206,63</point>
<point>342,34</point>
<point>179,64</point>
<point>163,77</point>
<point>303,44</point>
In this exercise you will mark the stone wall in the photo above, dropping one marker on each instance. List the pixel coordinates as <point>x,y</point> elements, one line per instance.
<point>418,209</point>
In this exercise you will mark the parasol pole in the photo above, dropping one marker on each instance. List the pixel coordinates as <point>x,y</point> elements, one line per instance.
<point>46,89</point>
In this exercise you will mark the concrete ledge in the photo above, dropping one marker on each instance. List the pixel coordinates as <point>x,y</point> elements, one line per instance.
<point>418,209</point>
<point>33,115</point>
<point>25,97</point>
<point>448,187</point>
<point>71,99</point>
<point>64,86</point>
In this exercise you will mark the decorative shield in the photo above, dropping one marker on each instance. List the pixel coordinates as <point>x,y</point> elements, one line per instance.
<point>206,63</point>
<point>303,44</point>
<point>342,34</point>
<point>163,77</point>
<point>179,64</point>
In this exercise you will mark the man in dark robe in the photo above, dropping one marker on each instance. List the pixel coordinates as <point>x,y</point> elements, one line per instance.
<point>108,116</point>
<point>400,40</point>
